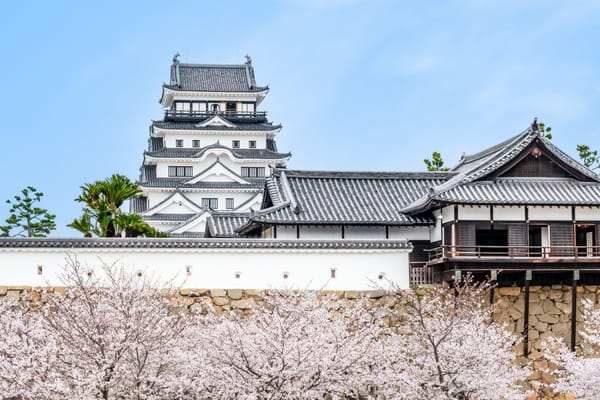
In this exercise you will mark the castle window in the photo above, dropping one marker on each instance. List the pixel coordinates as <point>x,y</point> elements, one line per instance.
<point>229,203</point>
<point>198,107</point>
<point>231,108</point>
<point>247,107</point>
<point>215,108</point>
<point>253,172</point>
<point>195,143</point>
<point>235,144</point>
<point>183,108</point>
<point>180,171</point>
<point>252,144</point>
<point>179,143</point>
<point>210,202</point>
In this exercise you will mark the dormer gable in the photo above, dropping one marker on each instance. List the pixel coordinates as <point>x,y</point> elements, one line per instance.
<point>196,224</point>
<point>176,203</point>
<point>217,172</point>
<point>216,120</point>
<point>539,160</point>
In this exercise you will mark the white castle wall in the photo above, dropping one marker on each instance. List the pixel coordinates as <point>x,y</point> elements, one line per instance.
<point>258,268</point>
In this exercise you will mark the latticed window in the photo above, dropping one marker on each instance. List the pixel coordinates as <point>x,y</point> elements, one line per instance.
<point>179,143</point>
<point>253,172</point>
<point>229,203</point>
<point>210,202</point>
<point>195,143</point>
<point>180,171</point>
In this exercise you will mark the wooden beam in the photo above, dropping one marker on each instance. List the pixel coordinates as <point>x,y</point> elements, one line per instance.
<point>574,309</point>
<point>526,315</point>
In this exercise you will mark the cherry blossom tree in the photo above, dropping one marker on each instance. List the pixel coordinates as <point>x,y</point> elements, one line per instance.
<point>578,374</point>
<point>116,336</point>
<point>27,357</point>
<point>446,347</point>
<point>295,345</point>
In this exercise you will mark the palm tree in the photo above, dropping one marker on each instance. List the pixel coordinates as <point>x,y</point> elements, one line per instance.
<point>102,215</point>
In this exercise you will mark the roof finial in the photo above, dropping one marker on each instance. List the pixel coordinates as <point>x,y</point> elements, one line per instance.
<point>534,125</point>
<point>248,59</point>
<point>175,58</point>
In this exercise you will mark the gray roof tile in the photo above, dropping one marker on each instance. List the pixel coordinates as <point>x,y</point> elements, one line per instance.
<point>193,125</point>
<point>214,78</point>
<point>316,197</point>
<point>191,243</point>
<point>226,224</point>
<point>237,153</point>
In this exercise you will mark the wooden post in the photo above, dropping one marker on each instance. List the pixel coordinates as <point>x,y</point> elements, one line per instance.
<point>574,309</point>
<point>493,281</point>
<point>526,314</point>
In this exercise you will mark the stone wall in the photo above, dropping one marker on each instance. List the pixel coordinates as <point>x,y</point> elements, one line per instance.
<point>549,313</point>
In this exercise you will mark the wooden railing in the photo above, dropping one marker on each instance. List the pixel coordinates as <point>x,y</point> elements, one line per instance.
<point>420,274</point>
<point>206,114</point>
<point>487,251</point>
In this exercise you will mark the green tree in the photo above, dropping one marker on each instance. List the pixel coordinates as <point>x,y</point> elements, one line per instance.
<point>545,130</point>
<point>26,219</point>
<point>435,163</point>
<point>589,157</point>
<point>102,215</point>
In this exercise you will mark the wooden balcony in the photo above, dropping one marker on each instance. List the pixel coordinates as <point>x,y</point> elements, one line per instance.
<point>180,115</point>
<point>516,257</point>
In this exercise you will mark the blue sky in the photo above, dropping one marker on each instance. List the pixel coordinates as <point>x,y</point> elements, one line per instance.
<point>357,85</point>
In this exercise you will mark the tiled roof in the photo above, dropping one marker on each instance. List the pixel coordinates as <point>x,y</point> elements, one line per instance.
<point>471,183</point>
<point>316,197</point>
<point>254,183</point>
<point>168,217</point>
<point>193,125</point>
<point>524,191</point>
<point>213,78</point>
<point>237,153</point>
<point>226,224</point>
<point>191,243</point>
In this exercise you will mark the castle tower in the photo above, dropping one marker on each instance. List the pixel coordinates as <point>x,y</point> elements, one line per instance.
<point>212,150</point>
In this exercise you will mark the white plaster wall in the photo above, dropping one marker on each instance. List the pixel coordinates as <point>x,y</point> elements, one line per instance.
<point>286,232</point>
<point>435,231</point>
<point>587,213</point>
<point>320,232</point>
<point>224,139</point>
<point>448,214</point>
<point>550,213</point>
<point>364,232</point>
<point>509,213</point>
<point>410,233</point>
<point>474,213</point>
<point>259,269</point>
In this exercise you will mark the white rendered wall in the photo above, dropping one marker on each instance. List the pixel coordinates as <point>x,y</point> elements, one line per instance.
<point>216,268</point>
<point>473,213</point>
<point>509,213</point>
<point>550,213</point>
<point>211,139</point>
<point>364,232</point>
<point>587,213</point>
<point>410,233</point>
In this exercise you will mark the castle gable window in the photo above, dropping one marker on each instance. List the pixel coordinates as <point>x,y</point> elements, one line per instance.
<point>176,171</point>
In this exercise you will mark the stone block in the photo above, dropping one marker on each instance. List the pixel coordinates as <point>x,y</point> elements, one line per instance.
<point>218,293</point>
<point>243,304</point>
<point>235,294</point>
<point>13,294</point>
<point>534,289</point>
<point>502,303</point>
<point>509,291</point>
<point>375,294</point>
<point>193,292</point>
<point>352,294</point>
<point>549,308</point>
<point>3,290</point>
<point>220,301</point>
<point>555,294</point>
<point>564,307</point>
<point>514,313</point>
<point>535,308</point>
<point>548,319</point>
<point>541,326</point>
